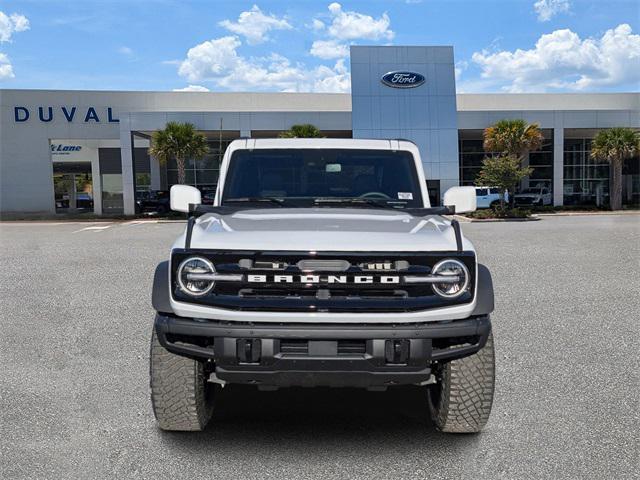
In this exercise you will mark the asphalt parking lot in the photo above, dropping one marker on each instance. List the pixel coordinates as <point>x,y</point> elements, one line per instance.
<point>76,319</point>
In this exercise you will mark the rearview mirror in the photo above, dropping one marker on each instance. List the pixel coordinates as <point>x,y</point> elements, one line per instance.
<point>462,199</point>
<point>184,195</point>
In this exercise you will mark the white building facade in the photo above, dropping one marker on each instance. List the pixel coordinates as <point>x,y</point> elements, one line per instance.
<point>68,151</point>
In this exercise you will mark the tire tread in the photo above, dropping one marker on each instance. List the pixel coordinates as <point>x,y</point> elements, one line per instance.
<point>466,393</point>
<point>179,390</point>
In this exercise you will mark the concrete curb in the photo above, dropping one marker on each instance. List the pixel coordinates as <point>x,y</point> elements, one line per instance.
<point>533,218</point>
<point>573,214</point>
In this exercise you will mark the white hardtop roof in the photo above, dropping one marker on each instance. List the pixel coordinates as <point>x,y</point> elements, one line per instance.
<point>373,144</point>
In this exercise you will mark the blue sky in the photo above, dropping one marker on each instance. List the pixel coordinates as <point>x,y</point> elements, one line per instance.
<point>500,45</point>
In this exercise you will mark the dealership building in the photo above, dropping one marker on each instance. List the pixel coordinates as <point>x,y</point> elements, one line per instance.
<point>69,151</point>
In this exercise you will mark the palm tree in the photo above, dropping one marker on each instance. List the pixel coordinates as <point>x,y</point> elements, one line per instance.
<point>180,141</point>
<point>304,130</point>
<point>615,145</point>
<point>513,138</point>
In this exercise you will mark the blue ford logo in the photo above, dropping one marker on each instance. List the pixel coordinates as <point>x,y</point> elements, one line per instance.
<point>402,79</point>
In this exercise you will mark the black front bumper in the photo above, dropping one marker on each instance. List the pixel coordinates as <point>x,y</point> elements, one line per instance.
<point>359,355</point>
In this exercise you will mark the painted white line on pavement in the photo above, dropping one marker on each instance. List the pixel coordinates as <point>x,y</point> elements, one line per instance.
<point>94,228</point>
<point>133,223</point>
<point>37,223</point>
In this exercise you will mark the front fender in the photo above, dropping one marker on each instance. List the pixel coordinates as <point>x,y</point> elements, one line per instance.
<point>160,294</point>
<point>484,295</point>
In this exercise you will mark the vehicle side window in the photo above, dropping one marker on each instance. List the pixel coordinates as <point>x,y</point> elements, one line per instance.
<point>494,191</point>
<point>481,192</point>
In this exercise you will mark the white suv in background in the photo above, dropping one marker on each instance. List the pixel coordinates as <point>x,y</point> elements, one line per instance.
<point>489,197</point>
<point>538,196</point>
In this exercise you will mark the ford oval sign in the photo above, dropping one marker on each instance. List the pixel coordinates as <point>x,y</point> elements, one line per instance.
<point>402,79</point>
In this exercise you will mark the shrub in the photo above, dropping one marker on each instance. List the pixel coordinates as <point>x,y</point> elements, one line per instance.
<point>500,212</point>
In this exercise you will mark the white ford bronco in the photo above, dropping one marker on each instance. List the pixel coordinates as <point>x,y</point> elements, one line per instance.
<point>322,263</point>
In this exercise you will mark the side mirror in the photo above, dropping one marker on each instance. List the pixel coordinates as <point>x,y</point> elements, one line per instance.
<point>184,195</point>
<point>462,199</point>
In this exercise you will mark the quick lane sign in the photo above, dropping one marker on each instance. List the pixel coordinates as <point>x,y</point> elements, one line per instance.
<point>70,114</point>
<point>62,149</point>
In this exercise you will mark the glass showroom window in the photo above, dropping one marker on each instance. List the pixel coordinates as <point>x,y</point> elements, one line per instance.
<point>201,173</point>
<point>471,155</point>
<point>542,163</point>
<point>631,182</point>
<point>586,181</point>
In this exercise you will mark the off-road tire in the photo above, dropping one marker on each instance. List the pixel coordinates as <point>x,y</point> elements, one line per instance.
<point>181,397</point>
<point>461,400</point>
<point>495,204</point>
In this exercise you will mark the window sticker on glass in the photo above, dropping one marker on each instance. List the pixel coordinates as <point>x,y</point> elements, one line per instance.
<point>333,167</point>
<point>405,195</point>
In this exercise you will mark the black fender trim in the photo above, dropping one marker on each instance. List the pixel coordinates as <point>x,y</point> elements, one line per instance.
<point>485,303</point>
<point>160,295</point>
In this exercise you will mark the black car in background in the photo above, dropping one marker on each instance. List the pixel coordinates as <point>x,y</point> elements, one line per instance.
<point>84,201</point>
<point>157,201</point>
<point>153,201</point>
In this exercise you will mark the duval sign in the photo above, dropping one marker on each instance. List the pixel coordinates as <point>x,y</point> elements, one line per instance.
<point>401,79</point>
<point>66,113</point>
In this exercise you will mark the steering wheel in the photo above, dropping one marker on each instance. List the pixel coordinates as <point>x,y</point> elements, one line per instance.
<point>375,195</point>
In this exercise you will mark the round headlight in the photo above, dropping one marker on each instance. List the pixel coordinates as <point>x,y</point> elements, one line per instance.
<point>452,268</point>
<point>188,275</point>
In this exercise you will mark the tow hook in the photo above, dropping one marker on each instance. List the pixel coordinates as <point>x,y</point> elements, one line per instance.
<point>429,381</point>
<point>213,378</point>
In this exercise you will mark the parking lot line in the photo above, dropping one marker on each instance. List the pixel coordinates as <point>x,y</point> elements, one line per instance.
<point>94,228</point>
<point>134,223</point>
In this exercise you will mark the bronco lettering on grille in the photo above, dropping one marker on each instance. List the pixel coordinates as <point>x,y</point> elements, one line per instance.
<point>335,279</point>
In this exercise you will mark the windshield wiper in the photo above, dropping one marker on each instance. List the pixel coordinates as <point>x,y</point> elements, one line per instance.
<point>275,201</point>
<point>375,202</point>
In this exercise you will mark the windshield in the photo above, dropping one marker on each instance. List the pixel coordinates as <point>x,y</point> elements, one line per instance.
<point>531,191</point>
<point>303,177</point>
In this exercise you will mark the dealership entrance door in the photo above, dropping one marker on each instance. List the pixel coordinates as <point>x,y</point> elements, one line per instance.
<point>73,187</point>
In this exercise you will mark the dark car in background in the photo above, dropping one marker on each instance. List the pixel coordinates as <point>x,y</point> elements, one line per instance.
<point>153,201</point>
<point>208,197</point>
<point>84,201</point>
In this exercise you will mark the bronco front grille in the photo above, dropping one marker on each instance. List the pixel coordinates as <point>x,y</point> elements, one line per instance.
<point>323,282</point>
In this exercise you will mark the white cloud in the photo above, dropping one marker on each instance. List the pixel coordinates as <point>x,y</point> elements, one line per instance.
<point>547,9</point>
<point>10,24</point>
<point>6,70</point>
<point>254,25</point>
<point>125,51</point>
<point>328,49</point>
<point>317,25</point>
<point>347,25</point>
<point>460,67</point>
<point>562,60</point>
<point>332,80</point>
<point>192,88</point>
<point>210,59</point>
<point>218,61</point>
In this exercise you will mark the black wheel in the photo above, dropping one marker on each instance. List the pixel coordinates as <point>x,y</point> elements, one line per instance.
<point>181,396</point>
<point>461,400</point>
<point>495,204</point>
